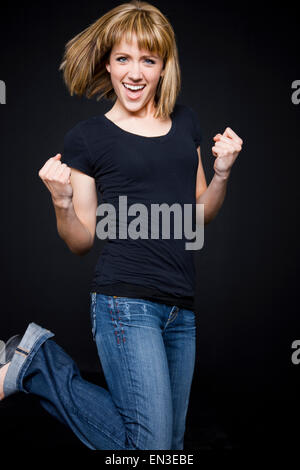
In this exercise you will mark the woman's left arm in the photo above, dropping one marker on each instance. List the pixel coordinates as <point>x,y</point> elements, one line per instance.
<point>226,149</point>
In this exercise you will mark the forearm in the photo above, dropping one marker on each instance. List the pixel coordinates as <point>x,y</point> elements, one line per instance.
<point>70,229</point>
<point>212,198</point>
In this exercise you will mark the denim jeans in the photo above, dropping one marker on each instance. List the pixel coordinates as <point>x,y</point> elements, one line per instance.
<point>147,353</point>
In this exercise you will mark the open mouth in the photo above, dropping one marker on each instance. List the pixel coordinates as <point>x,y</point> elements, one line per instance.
<point>134,94</point>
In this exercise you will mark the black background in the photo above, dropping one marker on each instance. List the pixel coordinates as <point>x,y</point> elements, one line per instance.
<point>238,62</point>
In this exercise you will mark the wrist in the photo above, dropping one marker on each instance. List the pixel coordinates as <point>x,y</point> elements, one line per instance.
<point>224,176</point>
<point>62,203</point>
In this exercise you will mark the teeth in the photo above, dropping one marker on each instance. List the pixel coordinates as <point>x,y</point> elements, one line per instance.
<point>133,87</point>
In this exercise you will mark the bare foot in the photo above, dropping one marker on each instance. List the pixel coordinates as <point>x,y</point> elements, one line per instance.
<point>3,372</point>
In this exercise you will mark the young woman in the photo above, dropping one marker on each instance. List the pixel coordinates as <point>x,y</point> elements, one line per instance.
<point>147,148</point>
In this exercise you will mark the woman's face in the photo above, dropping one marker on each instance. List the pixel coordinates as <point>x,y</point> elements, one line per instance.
<point>127,64</point>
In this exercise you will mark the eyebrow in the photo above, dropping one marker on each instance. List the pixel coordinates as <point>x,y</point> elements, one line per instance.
<point>143,56</point>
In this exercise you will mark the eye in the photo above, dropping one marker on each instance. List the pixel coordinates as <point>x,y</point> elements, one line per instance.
<point>118,59</point>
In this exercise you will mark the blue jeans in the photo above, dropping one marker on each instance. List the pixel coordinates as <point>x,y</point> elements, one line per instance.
<point>147,353</point>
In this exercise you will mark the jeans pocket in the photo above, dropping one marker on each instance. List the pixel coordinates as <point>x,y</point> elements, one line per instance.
<point>93,296</point>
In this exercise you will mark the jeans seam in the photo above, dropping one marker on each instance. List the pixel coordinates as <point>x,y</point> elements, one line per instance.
<point>93,313</point>
<point>115,304</point>
<point>136,441</point>
<point>114,322</point>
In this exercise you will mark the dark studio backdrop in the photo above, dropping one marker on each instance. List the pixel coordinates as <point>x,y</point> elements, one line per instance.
<point>238,63</point>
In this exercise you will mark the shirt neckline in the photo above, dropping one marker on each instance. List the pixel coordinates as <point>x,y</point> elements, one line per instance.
<point>155,138</point>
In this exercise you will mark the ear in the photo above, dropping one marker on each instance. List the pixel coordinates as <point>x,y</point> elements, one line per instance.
<point>107,65</point>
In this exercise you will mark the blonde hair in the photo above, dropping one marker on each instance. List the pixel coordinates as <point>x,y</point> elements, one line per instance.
<point>85,55</point>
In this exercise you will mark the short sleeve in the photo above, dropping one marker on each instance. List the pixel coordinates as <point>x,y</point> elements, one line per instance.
<point>75,151</point>
<point>197,131</point>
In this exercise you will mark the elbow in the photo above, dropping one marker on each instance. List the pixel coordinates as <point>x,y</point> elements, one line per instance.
<point>205,217</point>
<point>80,251</point>
<point>208,219</point>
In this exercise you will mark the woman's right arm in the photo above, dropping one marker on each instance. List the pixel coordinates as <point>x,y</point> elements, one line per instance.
<point>74,198</point>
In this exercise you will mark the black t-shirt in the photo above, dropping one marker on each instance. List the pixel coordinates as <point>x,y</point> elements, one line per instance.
<point>147,170</point>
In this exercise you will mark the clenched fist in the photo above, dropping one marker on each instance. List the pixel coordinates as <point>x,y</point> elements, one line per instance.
<point>56,176</point>
<point>227,147</point>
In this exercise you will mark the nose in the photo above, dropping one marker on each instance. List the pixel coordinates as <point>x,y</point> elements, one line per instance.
<point>135,72</point>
